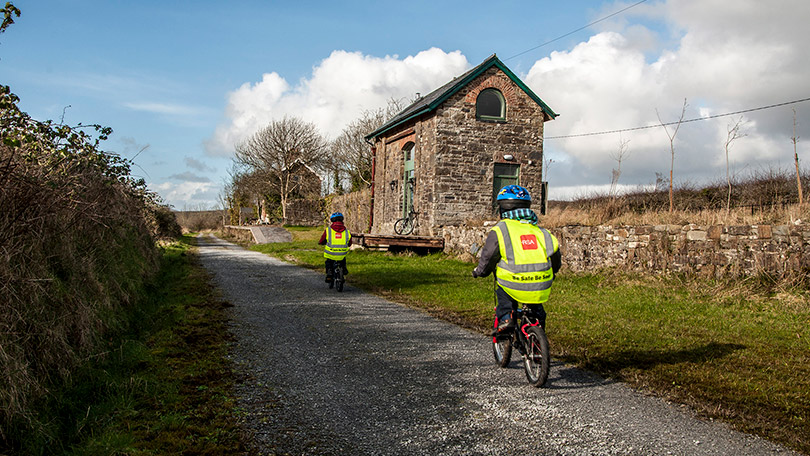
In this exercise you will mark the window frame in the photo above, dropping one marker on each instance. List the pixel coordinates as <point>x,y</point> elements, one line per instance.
<point>488,118</point>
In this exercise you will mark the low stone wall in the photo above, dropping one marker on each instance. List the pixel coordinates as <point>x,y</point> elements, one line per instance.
<point>720,251</point>
<point>242,233</point>
<point>717,250</point>
<point>355,207</point>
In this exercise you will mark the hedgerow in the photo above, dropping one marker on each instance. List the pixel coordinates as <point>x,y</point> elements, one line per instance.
<point>77,247</point>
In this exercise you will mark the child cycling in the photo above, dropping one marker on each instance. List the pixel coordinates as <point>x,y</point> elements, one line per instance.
<point>523,256</point>
<point>337,239</point>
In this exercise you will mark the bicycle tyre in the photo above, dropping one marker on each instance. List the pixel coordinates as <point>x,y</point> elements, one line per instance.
<point>537,359</point>
<point>408,227</point>
<point>403,226</point>
<point>339,278</point>
<point>502,348</point>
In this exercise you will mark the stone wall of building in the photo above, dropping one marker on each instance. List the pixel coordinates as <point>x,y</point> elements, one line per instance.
<point>469,148</point>
<point>355,207</point>
<point>720,251</point>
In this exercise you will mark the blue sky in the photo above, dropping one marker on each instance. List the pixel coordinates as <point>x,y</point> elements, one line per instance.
<point>179,82</point>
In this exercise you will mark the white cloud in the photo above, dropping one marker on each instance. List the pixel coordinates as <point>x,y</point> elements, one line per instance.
<point>340,88</point>
<point>188,195</point>
<point>726,57</point>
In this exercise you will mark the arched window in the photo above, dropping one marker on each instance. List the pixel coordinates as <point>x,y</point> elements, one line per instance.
<point>490,105</point>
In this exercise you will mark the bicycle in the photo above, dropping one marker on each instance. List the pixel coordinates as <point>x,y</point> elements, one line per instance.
<point>529,338</point>
<point>338,279</point>
<point>406,225</point>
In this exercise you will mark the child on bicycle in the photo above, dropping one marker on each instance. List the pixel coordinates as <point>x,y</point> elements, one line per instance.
<point>523,256</point>
<point>337,239</point>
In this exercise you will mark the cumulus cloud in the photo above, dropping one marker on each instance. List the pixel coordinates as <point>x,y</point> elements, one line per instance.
<point>188,195</point>
<point>340,88</point>
<point>727,57</point>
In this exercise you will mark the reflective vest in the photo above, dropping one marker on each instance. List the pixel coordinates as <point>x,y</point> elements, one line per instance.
<point>337,244</point>
<point>524,270</point>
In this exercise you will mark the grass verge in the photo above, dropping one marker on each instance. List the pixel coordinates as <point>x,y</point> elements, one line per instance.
<point>738,351</point>
<point>165,387</point>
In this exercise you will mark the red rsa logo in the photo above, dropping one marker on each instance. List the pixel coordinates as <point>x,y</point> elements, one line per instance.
<point>338,235</point>
<point>529,242</point>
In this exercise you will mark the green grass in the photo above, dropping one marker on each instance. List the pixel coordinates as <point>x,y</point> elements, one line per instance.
<point>737,351</point>
<point>166,385</point>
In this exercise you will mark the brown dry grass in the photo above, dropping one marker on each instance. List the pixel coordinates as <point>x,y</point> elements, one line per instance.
<point>559,215</point>
<point>76,246</point>
<point>765,197</point>
<point>199,221</point>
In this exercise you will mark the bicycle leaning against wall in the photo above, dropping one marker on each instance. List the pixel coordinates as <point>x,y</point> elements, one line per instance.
<point>406,224</point>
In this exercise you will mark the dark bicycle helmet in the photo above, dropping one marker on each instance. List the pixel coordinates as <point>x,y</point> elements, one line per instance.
<point>336,217</point>
<point>513,197</point>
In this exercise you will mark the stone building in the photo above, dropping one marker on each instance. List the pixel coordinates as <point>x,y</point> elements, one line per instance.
<point>446,155</point>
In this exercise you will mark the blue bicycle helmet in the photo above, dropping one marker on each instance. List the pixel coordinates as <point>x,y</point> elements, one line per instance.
<point>513,197</point>
<point>514,192</point>
<point>336,217</point>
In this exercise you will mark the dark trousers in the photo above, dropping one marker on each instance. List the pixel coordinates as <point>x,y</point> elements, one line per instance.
<point>330,266</point>
<point>507,305</point>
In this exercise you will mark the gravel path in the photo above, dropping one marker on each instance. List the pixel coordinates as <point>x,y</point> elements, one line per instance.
<point>327,373</point>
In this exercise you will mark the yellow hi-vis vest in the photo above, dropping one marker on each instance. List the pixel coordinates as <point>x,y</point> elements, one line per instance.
<point>337,244</point>
<point>524,270</point>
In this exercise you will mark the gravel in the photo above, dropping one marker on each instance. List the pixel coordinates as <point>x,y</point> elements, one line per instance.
<point>328,373</point>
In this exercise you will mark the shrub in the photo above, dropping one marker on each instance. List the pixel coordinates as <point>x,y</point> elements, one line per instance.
<point>76,248</point>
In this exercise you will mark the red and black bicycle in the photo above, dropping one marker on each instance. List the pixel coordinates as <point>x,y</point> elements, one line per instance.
<point>529,338</point>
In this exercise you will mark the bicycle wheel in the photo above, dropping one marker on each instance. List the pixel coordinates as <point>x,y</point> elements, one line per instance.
<point>403,226</point>
<point>537,359</point>
<point>339,278</point>
<point>407,228</point>
<point>502,348</point>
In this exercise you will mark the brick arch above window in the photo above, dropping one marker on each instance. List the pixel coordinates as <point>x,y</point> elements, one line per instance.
<point>496,81</point>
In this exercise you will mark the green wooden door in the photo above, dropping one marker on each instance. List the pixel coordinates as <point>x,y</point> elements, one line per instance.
<point>504,174</point>
<point>408,180</point>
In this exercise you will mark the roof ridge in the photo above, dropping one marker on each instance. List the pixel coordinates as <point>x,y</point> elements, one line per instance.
<point>430,101</point>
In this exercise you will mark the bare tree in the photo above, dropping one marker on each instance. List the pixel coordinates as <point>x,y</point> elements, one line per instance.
<point>274,153</point>
<point>546,165</point>
<point>351,154</point>
<point>224,198</point>
<point>672,148</point>
<point>795,140</point>
<point>733,135</point>
<point>619,156</point>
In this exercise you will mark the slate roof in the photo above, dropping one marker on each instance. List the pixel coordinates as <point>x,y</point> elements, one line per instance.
<point>432,100</point>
